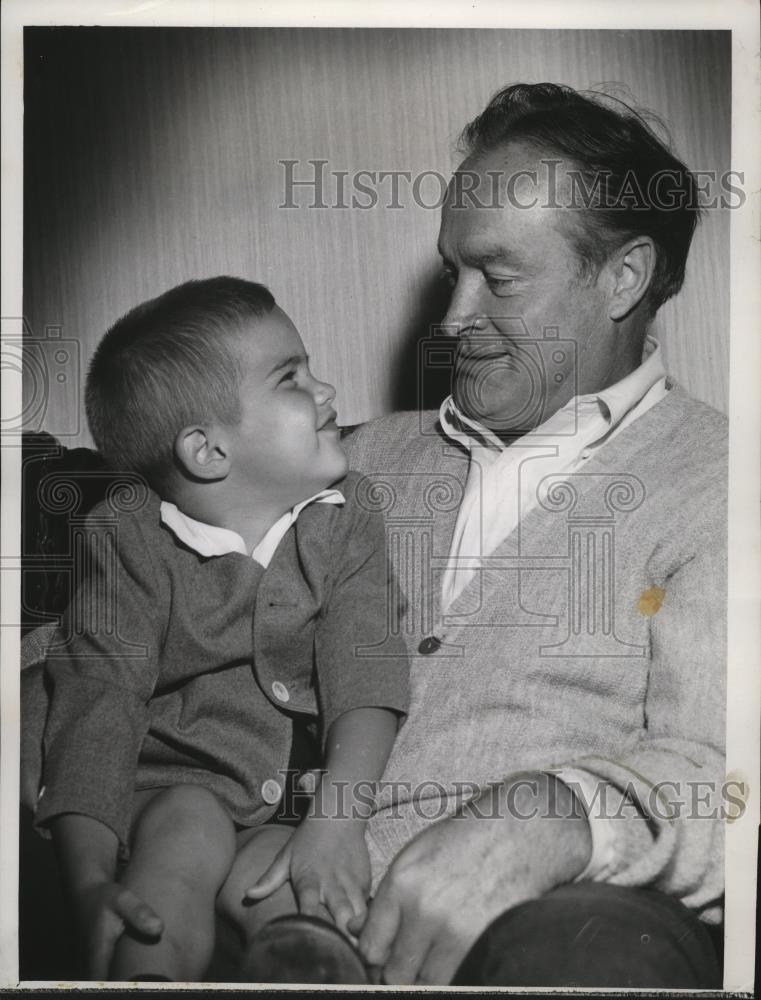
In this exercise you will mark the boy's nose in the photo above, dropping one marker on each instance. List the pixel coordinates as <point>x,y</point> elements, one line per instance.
<point>324,392</point>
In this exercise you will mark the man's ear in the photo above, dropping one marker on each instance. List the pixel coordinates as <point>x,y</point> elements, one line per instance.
<point>203,452</point>
<point>633,268</point>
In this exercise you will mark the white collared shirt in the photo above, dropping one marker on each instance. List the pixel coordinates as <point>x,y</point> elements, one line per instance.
<point>503,481</point>
<point>212,540</point>
<point>503,485</point>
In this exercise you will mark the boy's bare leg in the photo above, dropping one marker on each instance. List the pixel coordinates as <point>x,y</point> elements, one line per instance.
<point>183,845</point>
<point>256,850</point>
<point>288,955</point>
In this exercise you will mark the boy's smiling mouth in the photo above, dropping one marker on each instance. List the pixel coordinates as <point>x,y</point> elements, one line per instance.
<point>329,424</point>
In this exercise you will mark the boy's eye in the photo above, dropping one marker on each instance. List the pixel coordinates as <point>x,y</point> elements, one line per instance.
<point>289,376</point>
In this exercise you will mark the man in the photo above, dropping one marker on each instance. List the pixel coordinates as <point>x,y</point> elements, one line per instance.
<point>562,761</point>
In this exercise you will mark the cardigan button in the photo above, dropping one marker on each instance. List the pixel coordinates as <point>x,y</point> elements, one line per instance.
<point>429,645</point>
<point>271,792</point>
<point>280,691</point>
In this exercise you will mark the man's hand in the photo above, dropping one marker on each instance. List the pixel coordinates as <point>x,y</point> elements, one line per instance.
<point>516,842</point>
<point>328,866</point>
<point>105,910</point>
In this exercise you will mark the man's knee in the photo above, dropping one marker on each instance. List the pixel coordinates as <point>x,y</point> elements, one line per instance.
<point>594,935</point>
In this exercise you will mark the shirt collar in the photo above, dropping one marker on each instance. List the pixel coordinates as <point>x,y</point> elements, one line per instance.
<point>213,540</point>
<point>615,402</point>
<point>624,395</point>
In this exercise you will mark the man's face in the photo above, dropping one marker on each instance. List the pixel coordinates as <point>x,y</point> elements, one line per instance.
<point>287,443</point>
<point>514,273</point>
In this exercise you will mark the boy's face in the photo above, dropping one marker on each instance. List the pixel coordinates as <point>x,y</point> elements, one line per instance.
<point>287,445</point>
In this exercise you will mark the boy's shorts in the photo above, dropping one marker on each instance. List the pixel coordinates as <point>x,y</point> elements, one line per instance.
<point>305,756</point>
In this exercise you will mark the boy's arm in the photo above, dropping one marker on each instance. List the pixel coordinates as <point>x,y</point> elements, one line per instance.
<point>360,655</point>
<point>101,680</point>
<point>87,852</point>
<point>357,748</point>
<point>362,679</point>
<point>326,860</point>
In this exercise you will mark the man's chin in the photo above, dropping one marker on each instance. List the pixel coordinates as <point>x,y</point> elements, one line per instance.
<point>498,389</point>
<point>513,423</point>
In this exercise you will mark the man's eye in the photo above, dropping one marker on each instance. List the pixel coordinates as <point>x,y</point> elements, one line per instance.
<point>449,276</point>
<point>500,286</point>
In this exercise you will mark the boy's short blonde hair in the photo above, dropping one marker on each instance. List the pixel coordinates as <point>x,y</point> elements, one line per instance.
<point>167,364</point>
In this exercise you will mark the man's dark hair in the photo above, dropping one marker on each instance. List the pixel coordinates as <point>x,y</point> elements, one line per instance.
<point>166,364</point>
<point>620,160</point>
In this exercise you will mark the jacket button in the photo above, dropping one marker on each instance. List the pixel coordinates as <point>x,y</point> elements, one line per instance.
<point>271,792</point>
<point>280,691</point>
<point>429,645</point>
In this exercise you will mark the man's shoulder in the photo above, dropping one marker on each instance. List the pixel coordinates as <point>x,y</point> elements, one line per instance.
<point>689,435</point>
<point>393,440</point>
<point>679,452</point>
<point>393,425</point>
<point>698,418</point>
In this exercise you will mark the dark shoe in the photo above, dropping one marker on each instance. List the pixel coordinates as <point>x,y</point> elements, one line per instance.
<point>298,949</point>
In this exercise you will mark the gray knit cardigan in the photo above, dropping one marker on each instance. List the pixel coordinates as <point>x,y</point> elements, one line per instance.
<point>595,639</point>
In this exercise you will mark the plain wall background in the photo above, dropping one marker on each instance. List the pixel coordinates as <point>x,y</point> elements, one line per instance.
<point>151,156</point>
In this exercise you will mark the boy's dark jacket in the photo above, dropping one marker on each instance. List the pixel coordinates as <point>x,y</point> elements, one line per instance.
<point>177,664</point>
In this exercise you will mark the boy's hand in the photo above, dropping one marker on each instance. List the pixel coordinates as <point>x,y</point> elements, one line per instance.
<point>105,910</point>
<point>87,852</point>
<point>328,866</point>
<point>326,859</point>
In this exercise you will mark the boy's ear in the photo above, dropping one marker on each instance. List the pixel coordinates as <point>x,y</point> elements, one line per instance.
<point>203,452</point>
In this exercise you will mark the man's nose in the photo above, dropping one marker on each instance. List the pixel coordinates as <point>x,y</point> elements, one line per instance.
<point>463,316</point>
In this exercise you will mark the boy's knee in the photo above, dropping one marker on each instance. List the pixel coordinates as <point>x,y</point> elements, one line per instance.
<point>258,853</point>
<point>252,860</point>
<point>34,709</point>
<point>189,813</point>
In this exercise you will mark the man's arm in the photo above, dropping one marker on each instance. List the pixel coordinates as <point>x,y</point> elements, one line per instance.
<point>660,798</point>
<point>663,796</point>
<point>520,839</point>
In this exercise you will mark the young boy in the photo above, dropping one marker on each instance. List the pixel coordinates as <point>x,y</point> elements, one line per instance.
<point>233,602</point>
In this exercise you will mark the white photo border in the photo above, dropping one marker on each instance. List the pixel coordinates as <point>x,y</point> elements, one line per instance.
<point>744,676</point>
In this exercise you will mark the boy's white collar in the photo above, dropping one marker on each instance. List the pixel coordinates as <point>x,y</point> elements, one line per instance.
<point>212,540</point>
